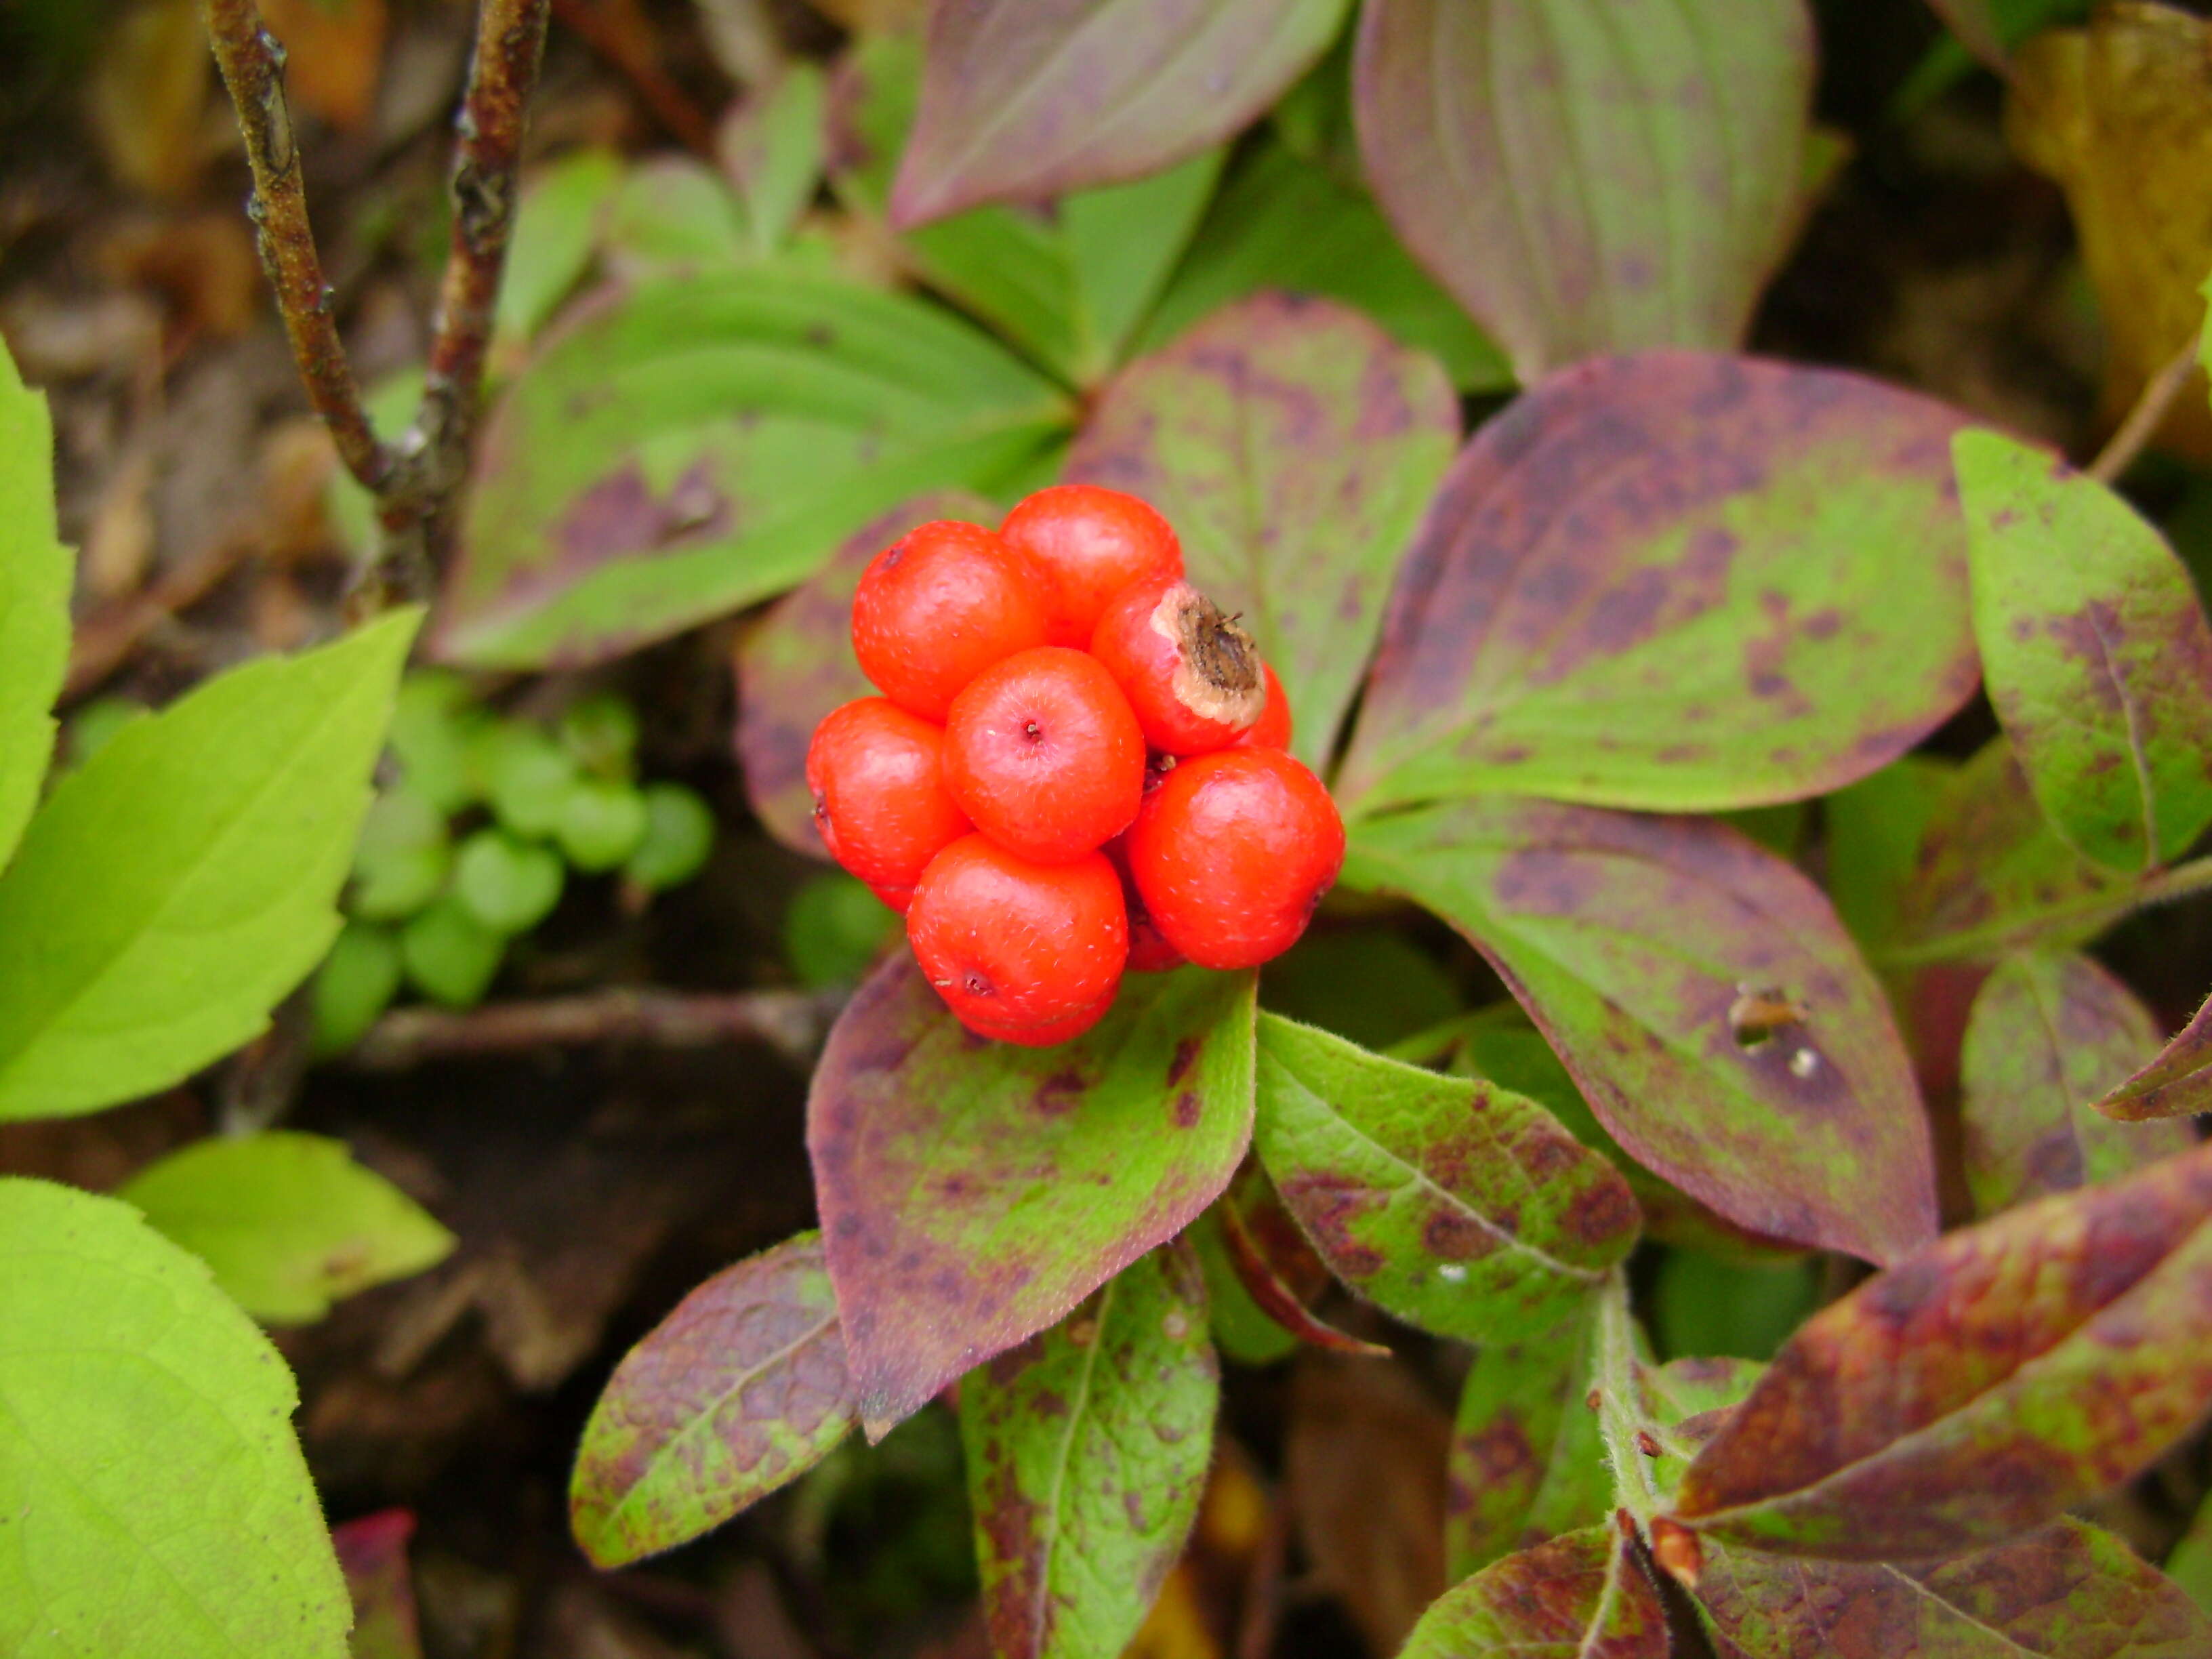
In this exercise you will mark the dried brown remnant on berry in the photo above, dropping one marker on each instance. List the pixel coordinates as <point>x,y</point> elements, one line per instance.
<point>1217,674</point>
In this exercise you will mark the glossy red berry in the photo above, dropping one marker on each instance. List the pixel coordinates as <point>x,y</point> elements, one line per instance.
<point>1047,1034</point>
<point>1232,852</point>
<point>879,797</point>
<point>1149,949</point>
<point>1015,946</point>
<point>940,605</point>
<point>1090,543</point>
<point>897,898</point>
<point>1042,753</point>
<point>1273,729</point>
<point>1190,673</point>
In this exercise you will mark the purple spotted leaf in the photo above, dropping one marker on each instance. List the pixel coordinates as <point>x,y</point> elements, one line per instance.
<point>1454,1205</point>
<point>2177,1082</point>
<point>1292,444</point>
<point>1087,1448</point>
<point>1586,1595</point>
<point>1988,875</point>
<point>2048,1035</point>
<point>742,1388</point>
<point>2095,651</point>
<point>2068,1591</point>
<point>1583,181</point>
<point>691,446</point>
<point>372,1554</point>
<point>1527,1463</point>
<point>1703,997</point>
<point>1668,580</point>
<point>1980,1389</point>
<point>1253,1239</point>
<point>972,1192</point>
<point>1022,99</point>
<point>796,664</point>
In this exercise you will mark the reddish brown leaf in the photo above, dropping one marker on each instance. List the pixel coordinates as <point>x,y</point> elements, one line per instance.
<point>2047,1035</point>
<point>1256,1271</point>
<point>795,665</point>
<point>740,1389</point>
<point>1582,181</point>
<point>2178,1083</point>
<point>1022,99</point>
<point>1634,942</point>
<point>1587,1595</point>
<point>1668,580</point>
<point>1980,1389</point>
<point>2067,1592</point>
<point>372,1554</point>
<point>972,1192</point>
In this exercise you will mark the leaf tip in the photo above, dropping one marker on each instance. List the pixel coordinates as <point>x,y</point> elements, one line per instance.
<point>1675,1548</point>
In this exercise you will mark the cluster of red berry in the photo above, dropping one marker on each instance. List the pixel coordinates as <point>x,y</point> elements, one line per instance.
<point>1076,766</point>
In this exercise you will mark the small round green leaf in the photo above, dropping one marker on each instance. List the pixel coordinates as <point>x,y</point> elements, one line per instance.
<point>355,983</point>
<point>679,834</point>
<point>507,885</point>
<point>602,825</point>
<point>451,957</point>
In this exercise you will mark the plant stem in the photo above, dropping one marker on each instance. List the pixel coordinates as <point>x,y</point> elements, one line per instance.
<point>791,1022</point>
<point>2142,421</point>
<point>253,65</point>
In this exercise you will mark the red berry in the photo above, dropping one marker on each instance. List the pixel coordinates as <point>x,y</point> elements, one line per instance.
<point>898,898</point>
<point>1090,543</point>
<point>1273,729</point>
<point>1231,854</point>
<point>1014,945</point>
<point>880,796</point>
<point>940,605</point>
<point>1148,951</point>
<point>1191,673</point>
<point>1045,1036</point>
<point>1043,754</point>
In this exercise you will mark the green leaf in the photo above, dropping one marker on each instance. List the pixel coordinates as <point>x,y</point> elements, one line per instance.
<point>2067,1592</point>
<point>289,1222</point>
<point>1282,223</point>
<point>1989,875</point>
<point>157,1503</point>
<point>1457,1206</point>
<point>772,149</point>
<point>972,1192</point>
<point>354,985</point>
<point>1668,580</point>
<point>2049,1034</point>
<point>796,664</point>
<point>739,1391</point>
<point>175,888</point>
<point>1635,942</point>
<point>1022,101</point>
<point>508,886</point>
<point>2189,1566</point>
<point>1242,1330</point>
<point>1582,183</point>
<point>34,601</point>
<point>1275,1270</point>
<point>1372,985</point>
<point>1293,445</point>
<point>1526,1464</point>
<point>1875,831</point>
<point>1701,1305</point>
<point>2177,1082</point>
<point>1978,1390</point>
<point>449,956</point>
<point>672,215</point>
<point>1087,1451</point>
<point>693,444</point>
<point>2095,652</point>
<point>1122,243</point>
<point>562,209</point>
<point>1587,1595</point>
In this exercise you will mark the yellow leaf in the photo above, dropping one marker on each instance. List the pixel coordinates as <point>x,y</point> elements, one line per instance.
<point>2120,114</point>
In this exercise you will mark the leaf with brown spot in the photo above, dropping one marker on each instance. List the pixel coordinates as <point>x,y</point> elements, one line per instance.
<point>2048,1035</point>
<point>1990,876</point>
<point>1527,1462</point>
<point>2095,652</point>
<point>1255,1255</point>
<point>1668,580</point>
<point>692,445</point>
<point>1292,444</point>
<point>1022,99</point>
<point>1587,1595</point>
<point>1087,1451</point>
<point>1586,181</point>
<point>1458,1206</point>
<point>2120,114</point>
<point>972,1192</point>
<point>796,664</point>
<point>738,1391</point>
<point>1980,1389</point>
<point>2177,1084</point>
<point>2069,1591</point>
<point>1629,939</point>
